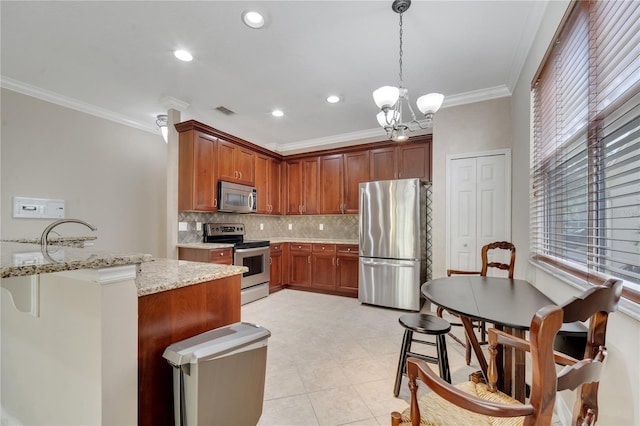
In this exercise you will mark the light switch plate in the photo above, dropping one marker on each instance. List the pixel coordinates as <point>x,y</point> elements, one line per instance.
<point>183,226</point>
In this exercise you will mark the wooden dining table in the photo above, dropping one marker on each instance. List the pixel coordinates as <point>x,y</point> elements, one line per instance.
<point>507,303</point>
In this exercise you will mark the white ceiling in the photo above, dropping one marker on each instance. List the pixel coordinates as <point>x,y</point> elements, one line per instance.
<point>114,59</point>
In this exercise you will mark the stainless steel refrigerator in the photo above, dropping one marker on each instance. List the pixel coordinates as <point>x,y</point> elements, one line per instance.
<point>394,257</point>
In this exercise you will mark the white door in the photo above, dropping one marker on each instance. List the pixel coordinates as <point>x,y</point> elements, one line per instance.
<point>478,208</point>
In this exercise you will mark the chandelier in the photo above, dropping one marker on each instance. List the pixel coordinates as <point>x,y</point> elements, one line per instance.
<point>390,99</point>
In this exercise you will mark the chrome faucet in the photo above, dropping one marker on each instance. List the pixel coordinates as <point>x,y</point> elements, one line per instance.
<point>44,239</point>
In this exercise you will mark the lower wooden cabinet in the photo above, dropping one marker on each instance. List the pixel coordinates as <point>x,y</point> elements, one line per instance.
<point>300,264</point>
<point>347,269</point>
<point>222,256</point>
<point>323,266</point>
<point>277,265</point>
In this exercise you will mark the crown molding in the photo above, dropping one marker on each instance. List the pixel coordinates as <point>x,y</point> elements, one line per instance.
<point>71,103</point>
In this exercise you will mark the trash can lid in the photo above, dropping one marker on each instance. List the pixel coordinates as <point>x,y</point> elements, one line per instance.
<point>214,342</point>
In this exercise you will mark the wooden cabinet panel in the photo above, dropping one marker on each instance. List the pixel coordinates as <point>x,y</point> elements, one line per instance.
<point>382,164</point>
<point>414,161</point>
<point>197,189</point>
<point>171,316</point>
<point>235,163</point>
<point>347,269</point>
<point>356,171</point>
<point>303,178</point>
<point>323,266</point>
<point>300,264</point>
<point>275,280</point>
<point>331,177</point>
<point>222,256</point>
<point>268,184</point>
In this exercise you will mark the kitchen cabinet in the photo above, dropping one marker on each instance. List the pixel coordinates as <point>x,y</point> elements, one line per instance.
<point>405,161</point>
<point>300,264</point>
<point>235,163</point>
<point>303,178</point>
<point>268,177</point>
<point>347,268</point>
<point>276,260</point>
<point>197,182</point>
<point>340,176</point>
<point>323,266</point>
<point>222,256</point>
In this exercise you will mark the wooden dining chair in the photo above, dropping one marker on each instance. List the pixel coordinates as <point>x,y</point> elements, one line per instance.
<point>479,403</point>
<point>480,325</point>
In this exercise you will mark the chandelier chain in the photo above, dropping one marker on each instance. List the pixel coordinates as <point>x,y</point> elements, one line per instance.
<point>400,60</point>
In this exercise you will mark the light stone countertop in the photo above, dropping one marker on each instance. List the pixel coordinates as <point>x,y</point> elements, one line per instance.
<point>57,241</point>
<point>213,246</point>
<point>23,259</point>
<point>167,274</point>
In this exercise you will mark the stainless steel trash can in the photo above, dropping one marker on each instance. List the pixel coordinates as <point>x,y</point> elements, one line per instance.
<point>218,376</point>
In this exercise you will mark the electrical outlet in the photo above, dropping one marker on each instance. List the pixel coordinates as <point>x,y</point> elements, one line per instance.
<point>183,226</point>
<point>290,226</point>
<point>262,226</point>
<point>321,226</point>
<point>198,226</point>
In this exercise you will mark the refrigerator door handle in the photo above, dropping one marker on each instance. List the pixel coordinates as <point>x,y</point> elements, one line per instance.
<point>378,263</point>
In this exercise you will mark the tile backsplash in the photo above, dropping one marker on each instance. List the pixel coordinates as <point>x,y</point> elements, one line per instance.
<point>335,227</point>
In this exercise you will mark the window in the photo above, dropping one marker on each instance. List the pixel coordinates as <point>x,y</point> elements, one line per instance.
<point>585,159</point>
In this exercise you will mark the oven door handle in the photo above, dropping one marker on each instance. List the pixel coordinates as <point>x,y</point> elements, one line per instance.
<point>249,250</point>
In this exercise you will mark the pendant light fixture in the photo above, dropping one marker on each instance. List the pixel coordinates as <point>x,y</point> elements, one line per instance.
<point>389,99</point>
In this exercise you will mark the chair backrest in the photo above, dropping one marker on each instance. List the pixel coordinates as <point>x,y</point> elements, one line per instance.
<point>594,305</point>
<point>501,245</point>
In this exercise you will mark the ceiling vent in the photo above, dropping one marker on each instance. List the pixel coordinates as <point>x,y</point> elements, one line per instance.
<point>225,110</point>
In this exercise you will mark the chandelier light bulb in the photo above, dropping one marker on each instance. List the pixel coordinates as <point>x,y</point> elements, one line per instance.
<point>430,103</point>
<point>386,97</point>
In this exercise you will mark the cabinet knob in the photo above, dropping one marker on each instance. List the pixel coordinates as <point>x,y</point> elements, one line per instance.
<point>221,253</point>
<point>338,262</point>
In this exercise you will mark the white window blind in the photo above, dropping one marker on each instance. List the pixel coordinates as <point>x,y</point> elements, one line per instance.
<point>585,175</point>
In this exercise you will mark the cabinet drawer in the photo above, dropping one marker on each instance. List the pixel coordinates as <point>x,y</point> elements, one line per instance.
<point>324,248</point>
<point>223,256</point>
<point>276,247</point>
<point>346,249</point>
<point>298,247</point>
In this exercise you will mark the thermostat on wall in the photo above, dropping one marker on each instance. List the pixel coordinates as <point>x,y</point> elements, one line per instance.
<point>37,208</point>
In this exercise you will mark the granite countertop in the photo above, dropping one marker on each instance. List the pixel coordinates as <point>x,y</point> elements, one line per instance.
<point>211,246</point>
<point>56,241</point>
<point>22,259</point>
<point>167,274</point>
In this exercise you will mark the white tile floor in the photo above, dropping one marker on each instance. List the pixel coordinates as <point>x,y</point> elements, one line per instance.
<point>332,360</point>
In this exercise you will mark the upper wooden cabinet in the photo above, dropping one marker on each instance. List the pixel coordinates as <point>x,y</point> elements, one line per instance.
<point>405,161</point>
<point>340,176</point>
<point>235,163</point>
<point>269,184</point>
<point>303,177</point>
<point>197,183</point>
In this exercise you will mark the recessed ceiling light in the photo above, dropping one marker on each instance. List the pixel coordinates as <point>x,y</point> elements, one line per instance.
<point>253,19</point>
<point>277,113</point>
<point>183,55</point>
<point>333,99</point>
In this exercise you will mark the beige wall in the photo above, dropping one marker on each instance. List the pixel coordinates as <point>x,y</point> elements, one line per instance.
<point>111,175</point>
<point>620,388</point>
<point>472,128</point>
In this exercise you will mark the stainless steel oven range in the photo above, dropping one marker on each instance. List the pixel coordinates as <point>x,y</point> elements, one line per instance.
<point>252,254</point>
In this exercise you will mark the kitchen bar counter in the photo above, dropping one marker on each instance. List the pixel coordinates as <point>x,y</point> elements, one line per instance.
<point>209,246</point>
<point>23,259</point>
<point>168,274</point>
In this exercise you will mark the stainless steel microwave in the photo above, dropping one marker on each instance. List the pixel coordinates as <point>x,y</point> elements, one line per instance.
<point>236,198</point>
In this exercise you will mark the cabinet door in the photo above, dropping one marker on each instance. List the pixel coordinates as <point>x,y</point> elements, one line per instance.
<point>323,271</point>
<point>197,188</point>
<point>294,187</point>
<point>311,186</point>
<point>331,177</point>
<point>262,183</point>
<point>300,269</point>
<point>347,269</point>
<point>414,161</point>
<point>243,160</point>
<point>226,168</point>
<point>275,278</point>
<point>382,164</point>
<point>275,187</point>
<point>356,171</point>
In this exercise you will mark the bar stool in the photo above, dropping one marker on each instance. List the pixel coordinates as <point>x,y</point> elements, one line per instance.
<point>425,324</point>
